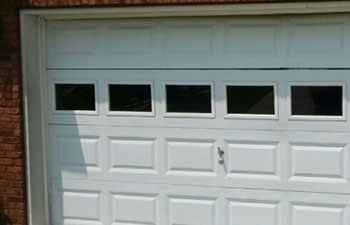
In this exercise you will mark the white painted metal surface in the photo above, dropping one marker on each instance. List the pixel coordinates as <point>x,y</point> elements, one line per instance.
<point>236,42</point>
<point>156,168</point>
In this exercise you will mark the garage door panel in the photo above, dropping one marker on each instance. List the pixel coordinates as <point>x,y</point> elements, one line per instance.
<point>76,156</point>
<point>189,210</point>
<point>242,38</point>
<point>68,205</point>
<point>312,214</point>
<point>328,34</point>
<point>134,155</point>
<point>253,159</point>
<point>191,38</point>
<point>69,150</point>
<point>199,121</point>
<point>126,204</point>
<point>147,155</point>
<point>63,44</point>
<point>129,38</point>
<point>283,82</point>
<point>168,204</point>
<point>318,158</point>
<point>275,160</point>
<point>245,211</point>
<point>170,43</point>
<point>312,161</point>
<point>190,157</point>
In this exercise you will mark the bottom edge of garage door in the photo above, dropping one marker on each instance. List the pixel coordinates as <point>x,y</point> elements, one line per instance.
<point>100,203</point>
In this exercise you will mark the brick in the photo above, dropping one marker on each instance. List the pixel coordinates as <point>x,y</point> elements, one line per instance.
<point>6,118</point>
<point>15,88</point>
<point>7,147</point>
<point>7,162</point>
<point>16,199</point>
<point>12,110</point>
<point>16,118</point>
<point>13,154</point>
<point>2,169</point>
<point>13,140</point>
<point>18,162</point>
<point>14,169</point>
<point>4,72</point>
<point>6,133</point>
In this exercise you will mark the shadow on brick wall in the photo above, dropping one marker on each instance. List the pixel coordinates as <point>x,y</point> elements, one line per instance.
<point>4,219</point>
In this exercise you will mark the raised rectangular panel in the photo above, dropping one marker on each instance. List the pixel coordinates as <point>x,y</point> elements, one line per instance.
<point>72,41</point>
<point>317,214</point>
<point>71,44</point>
<point>189,39</point>
<point>190,157</point>
<point>317,162</point>
<point>133,155</point>
<point>253,213</point>
<point>317,38</point>
<point>129,40</point>
<point>256,40</point>
<point>78,151</point>
<point>81,206</point>
<point>253,158</point>
<point>188,211</point>
<point>134,209</point>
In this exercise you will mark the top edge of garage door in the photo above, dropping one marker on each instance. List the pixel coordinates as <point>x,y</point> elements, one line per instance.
<point>313,41</point>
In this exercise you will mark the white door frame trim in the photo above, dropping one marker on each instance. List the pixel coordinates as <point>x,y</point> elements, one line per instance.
<point>192,10</point>
<point>34,75</point>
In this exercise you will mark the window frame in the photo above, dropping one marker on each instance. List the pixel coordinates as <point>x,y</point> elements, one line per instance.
<point>188,115</point>
<point>130,113</point>
<point>292,117</point>
<point>274,116</point>
<point>73,112</point>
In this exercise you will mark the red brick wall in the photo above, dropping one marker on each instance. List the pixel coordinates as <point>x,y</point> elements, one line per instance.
<point>12,167</point>
<point>12,176</point>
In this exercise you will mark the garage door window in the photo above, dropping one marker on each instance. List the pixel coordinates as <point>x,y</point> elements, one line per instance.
<point>75,97</point>
<point>250,100</point>
<point>188,99</point>
<point>316,100</point>
<point>130,98</point>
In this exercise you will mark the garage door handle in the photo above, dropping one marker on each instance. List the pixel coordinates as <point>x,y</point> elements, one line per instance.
<point>221,156</point>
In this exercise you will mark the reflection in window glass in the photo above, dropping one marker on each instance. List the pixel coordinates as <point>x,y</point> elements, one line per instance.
<point>75,96</point>
<point>188,98</point>
<point>130,97</point>
<point>317,100</point>
<point>250,100</point>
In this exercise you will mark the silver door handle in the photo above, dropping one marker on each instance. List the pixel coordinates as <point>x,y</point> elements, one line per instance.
<point>221,156</point>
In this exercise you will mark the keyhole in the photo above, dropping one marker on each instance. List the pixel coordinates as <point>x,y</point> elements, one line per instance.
<point>221,156</point>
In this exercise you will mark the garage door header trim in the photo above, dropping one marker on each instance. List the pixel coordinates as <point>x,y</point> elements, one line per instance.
<point>192,10</point>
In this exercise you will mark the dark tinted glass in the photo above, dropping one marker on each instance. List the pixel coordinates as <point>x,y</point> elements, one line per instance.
<point>75,96</point>
<point>130,97</point>
<point>250,100</point>
<point>188,98</point>
<point>317,100</point>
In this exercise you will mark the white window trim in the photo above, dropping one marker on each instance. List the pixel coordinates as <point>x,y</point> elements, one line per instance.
<point>73,112</point>
<point>312,117</point>
<point>130,113</point>
<point>34,74</point>
<point>251,116</point>
<point>188,115</point>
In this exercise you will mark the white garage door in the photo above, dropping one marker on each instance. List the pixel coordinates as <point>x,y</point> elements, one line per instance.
<point>199,121</point>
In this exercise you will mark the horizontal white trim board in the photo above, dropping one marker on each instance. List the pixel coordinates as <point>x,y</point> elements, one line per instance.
<point>193,10</point>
